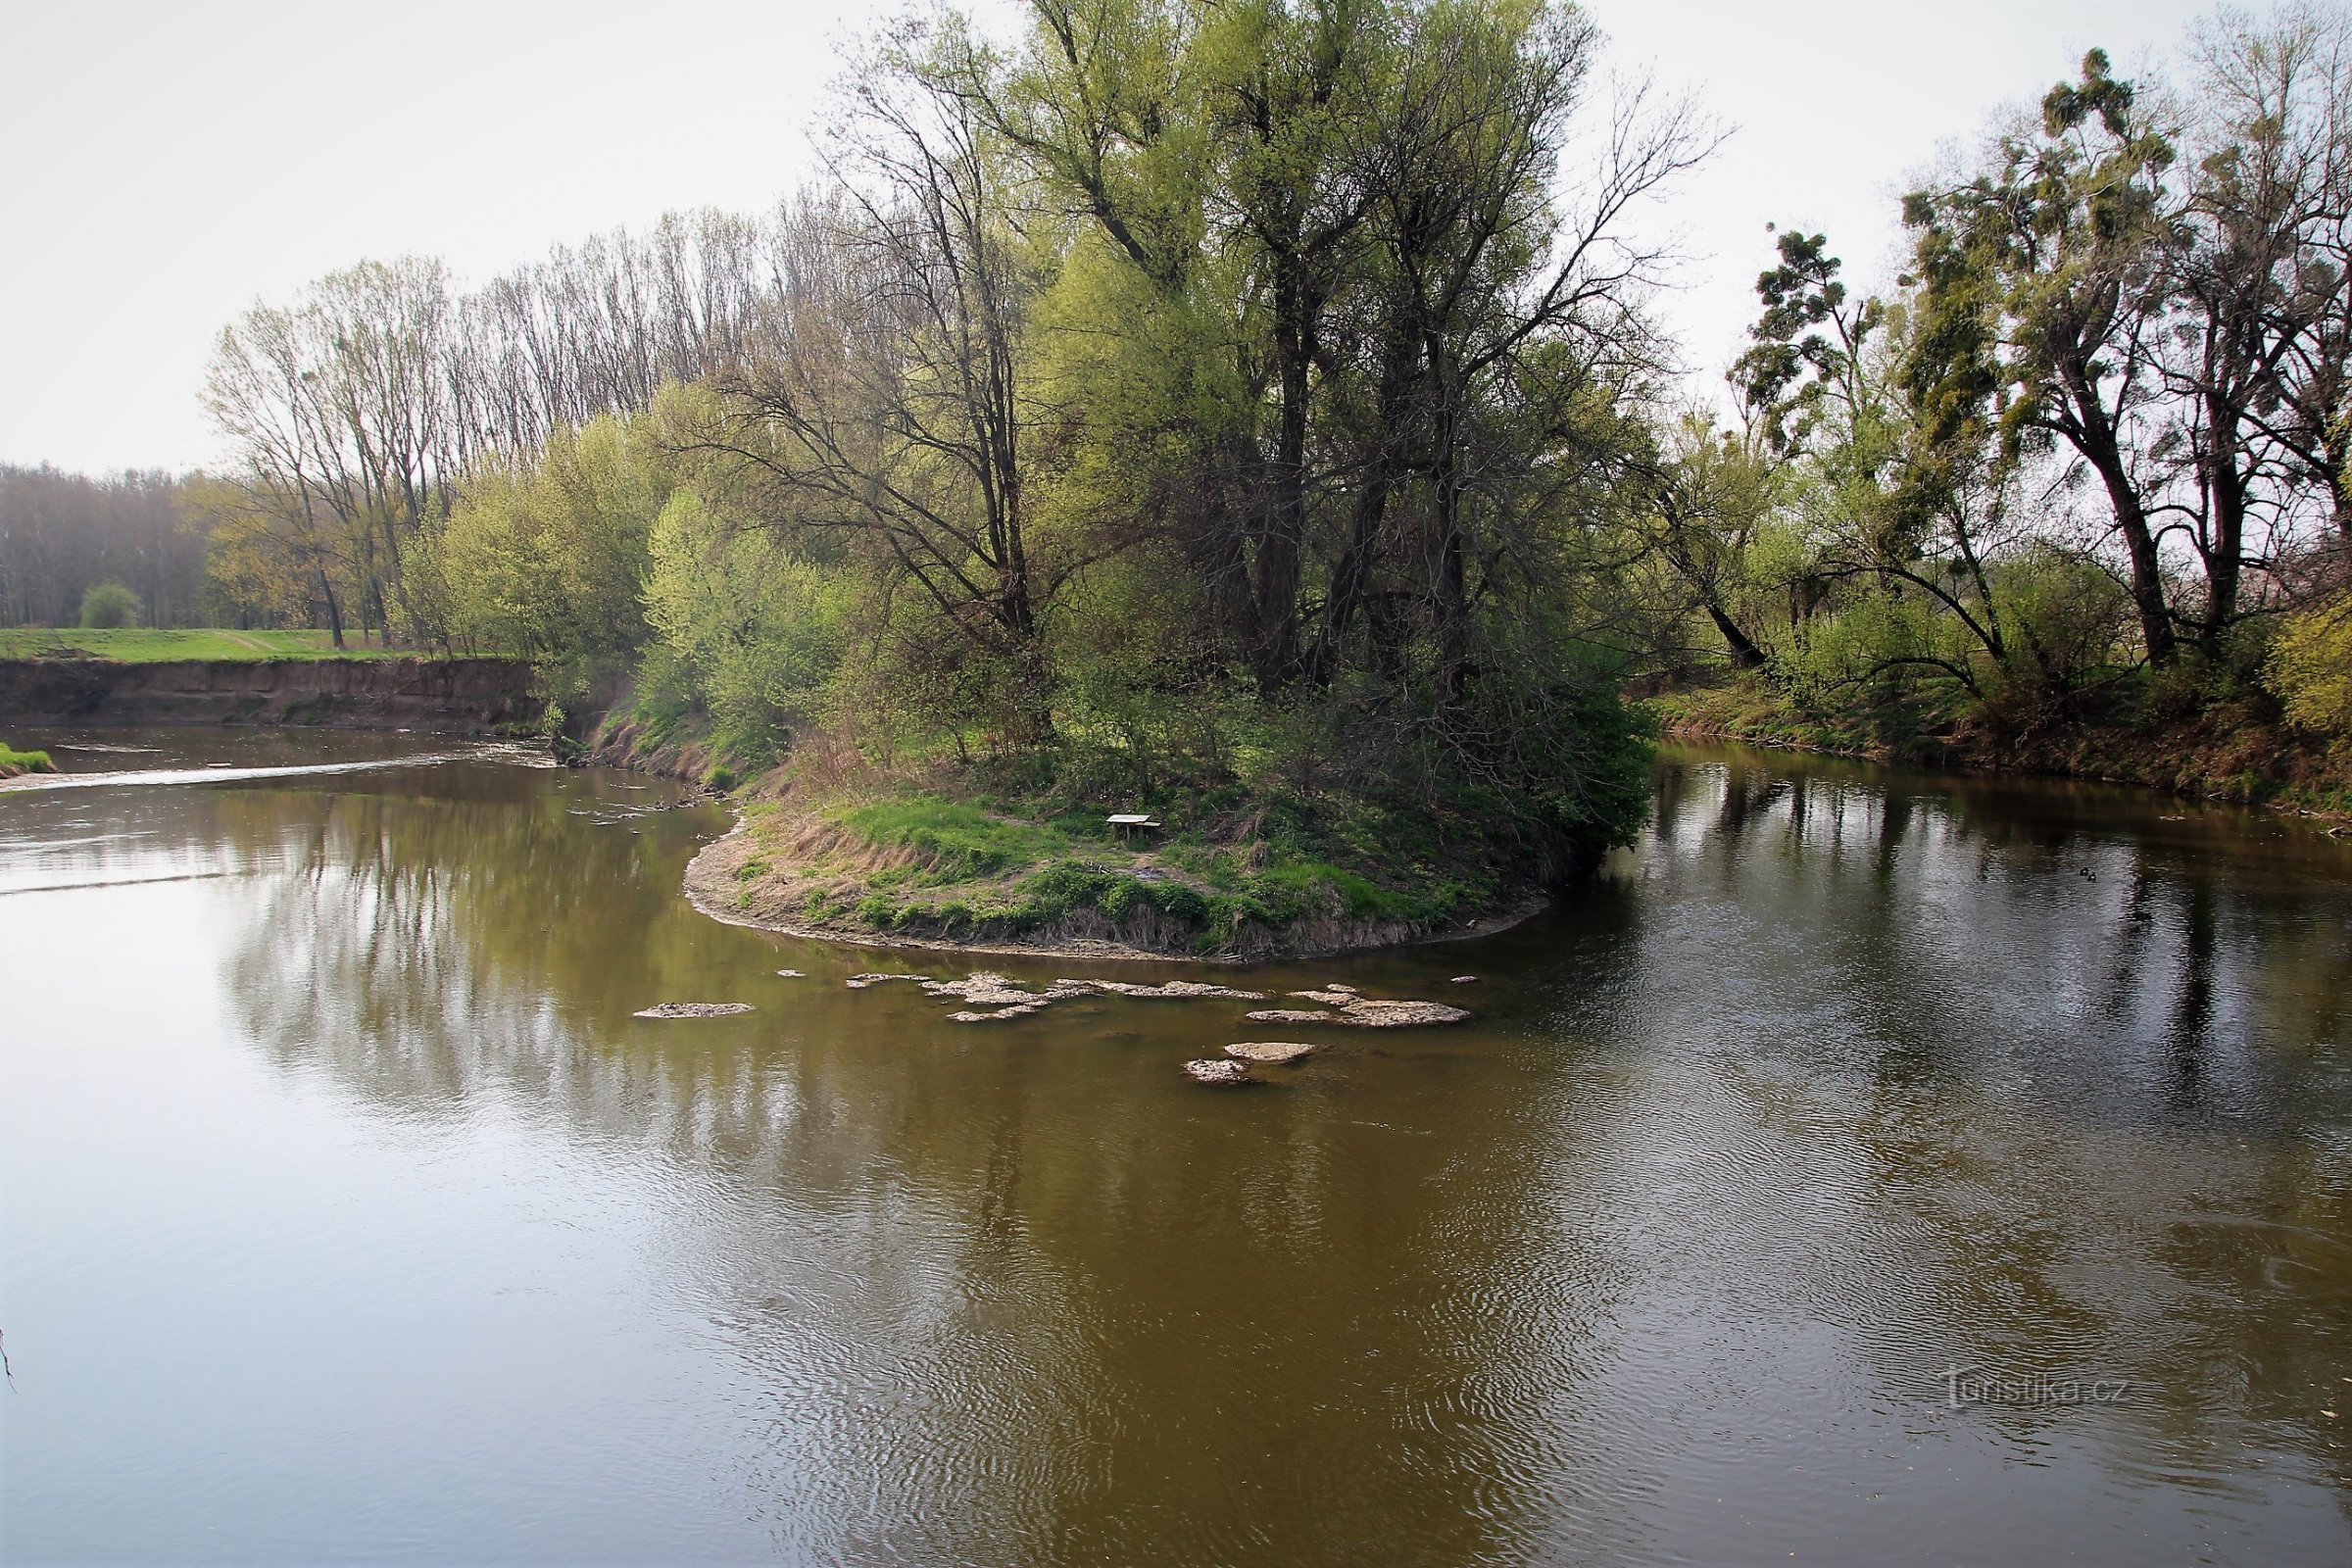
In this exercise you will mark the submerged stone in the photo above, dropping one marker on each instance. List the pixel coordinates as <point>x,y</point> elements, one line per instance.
<point>1272,1052</point>
<point>695,1009</point>
<point>859,982</point>
<point>1362,1013</point>
<point>1368,1014</point>
<point>1217,1073</point>
<point>985,989</point>
<point>1176,988</point>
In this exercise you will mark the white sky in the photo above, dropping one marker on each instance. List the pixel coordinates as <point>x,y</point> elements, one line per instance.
<point>163,164</point>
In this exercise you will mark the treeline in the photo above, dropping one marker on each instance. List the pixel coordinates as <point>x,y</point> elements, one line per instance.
<point>1171,374</point>
<point>63,535</point>
<point>1178,390</point>
<point>356,410</point>
<point>1175,392</point>
<point>2086,458</point>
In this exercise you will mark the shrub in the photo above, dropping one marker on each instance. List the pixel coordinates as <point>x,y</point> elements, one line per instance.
<point>2311,668</point>
<point>110,606</point>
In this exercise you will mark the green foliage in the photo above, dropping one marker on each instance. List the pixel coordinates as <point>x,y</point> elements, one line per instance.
<point>2311,668</point>
<point>2072,620</point>
<point>551,559</point>
<point>108,605</point>
<point>750,630</point>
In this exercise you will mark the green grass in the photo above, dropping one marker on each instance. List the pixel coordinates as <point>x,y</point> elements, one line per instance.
<point>143,646</point>
<point>960,842</point>
<point>978,872</point>
<point>12,763</point>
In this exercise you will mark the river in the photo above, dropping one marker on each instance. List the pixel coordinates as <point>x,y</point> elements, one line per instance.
<point>1869,1168</point>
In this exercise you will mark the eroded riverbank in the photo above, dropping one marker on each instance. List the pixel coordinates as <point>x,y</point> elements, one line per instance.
<point>452,695</point>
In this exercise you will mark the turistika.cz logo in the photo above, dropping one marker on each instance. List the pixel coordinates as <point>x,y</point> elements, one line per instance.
<point>1976,1385</point>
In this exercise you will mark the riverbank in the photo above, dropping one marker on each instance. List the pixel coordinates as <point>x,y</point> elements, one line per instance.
<point>14,763</point>
<point>731,881</point>
<point>443,696</point>
<point>2227,750</point>
<point>920,862</point>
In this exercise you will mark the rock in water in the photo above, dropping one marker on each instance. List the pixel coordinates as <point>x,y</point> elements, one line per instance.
<point>1362,1013</point>
<point>1174,988</point>
<point>859,982</point>
<point>1221,1073</point>
<point>1366,1014</point>
<point>790,975</point>
<point>695,1009</point>
<point>1329,996</point>
<point>986,988</point>
<point>1274,1053</point>
<point>1463,980</point>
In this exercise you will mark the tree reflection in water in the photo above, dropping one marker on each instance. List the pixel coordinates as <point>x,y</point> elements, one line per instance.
<point>1839,1080</point>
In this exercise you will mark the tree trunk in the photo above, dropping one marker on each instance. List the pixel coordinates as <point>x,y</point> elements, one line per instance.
<point>1370,512</point>
<point>1745,655</point>
<point>334,609</point>
<point>2096,441</point>
<point>1275,587</point>
<point>2224,552</point>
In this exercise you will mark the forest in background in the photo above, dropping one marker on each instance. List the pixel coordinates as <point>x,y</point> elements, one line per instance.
<point>1266,403</point>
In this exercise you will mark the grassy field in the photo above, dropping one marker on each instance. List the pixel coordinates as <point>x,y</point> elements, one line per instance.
<point>140,646</point>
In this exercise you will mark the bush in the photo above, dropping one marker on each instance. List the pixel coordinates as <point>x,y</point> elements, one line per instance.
<point>110,606</point>
<point>2311,668</point>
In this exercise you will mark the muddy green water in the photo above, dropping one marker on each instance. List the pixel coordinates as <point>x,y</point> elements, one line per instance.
<point>349,1215</point>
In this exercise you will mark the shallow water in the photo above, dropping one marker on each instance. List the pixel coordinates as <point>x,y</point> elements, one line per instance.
<point>348,1214</point>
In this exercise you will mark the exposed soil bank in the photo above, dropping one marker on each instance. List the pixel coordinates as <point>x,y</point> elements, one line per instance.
<point>445,695</point>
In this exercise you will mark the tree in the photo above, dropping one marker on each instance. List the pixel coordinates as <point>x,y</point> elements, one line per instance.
<point>892,402</point>
<point>2256,353</point>
<point>2042,282</point>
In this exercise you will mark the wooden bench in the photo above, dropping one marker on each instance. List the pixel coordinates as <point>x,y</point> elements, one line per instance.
<point>1124,823</point>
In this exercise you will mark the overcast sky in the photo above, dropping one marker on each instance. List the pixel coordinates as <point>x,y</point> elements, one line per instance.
<point>164,165</point>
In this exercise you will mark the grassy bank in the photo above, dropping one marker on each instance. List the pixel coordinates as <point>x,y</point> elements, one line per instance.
<point>146,646</point>
<point>15,762</point>
<point>2213,739</point>
<point>1232,875</point>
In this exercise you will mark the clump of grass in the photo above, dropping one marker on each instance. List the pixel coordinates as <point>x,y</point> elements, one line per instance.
<point>13,762</point>
<point>957,843</point>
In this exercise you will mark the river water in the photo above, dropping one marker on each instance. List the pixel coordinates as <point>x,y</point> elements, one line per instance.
<point>1870,1168</point>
